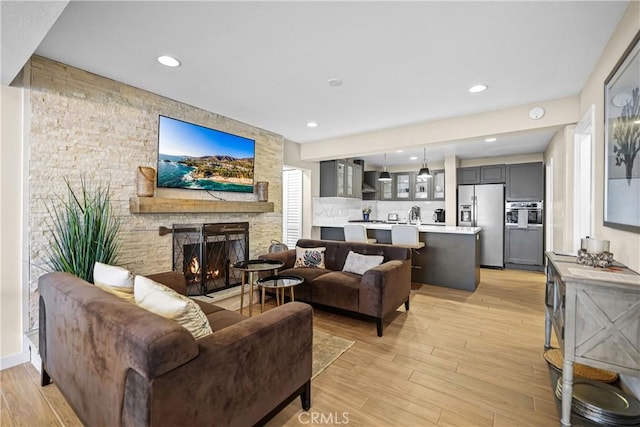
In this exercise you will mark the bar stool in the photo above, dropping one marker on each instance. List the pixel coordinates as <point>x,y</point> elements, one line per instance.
<point>406,235</point>
<point>356,233</point>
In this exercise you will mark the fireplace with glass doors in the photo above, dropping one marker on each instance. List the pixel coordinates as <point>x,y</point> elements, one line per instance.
<point>205,252</point>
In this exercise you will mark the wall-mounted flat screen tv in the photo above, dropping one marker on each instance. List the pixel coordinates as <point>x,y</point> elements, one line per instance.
<point>199,158</point>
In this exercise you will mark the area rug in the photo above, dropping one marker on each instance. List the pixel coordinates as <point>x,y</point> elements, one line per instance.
<point>326,350</point>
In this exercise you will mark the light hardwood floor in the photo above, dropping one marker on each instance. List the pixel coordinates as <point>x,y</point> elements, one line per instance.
<point>455,359</point>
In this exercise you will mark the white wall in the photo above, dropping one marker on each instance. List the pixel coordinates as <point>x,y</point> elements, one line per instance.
<point>310,183</point>
<point>451,165</point>
<point>624,245</point>
<point>560,149</point>
<point>12,351</point>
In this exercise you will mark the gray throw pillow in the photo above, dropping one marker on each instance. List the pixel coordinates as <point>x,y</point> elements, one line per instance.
<point>358,263</point>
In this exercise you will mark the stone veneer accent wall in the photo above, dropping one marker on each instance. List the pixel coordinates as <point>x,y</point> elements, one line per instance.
<point>82,123</point>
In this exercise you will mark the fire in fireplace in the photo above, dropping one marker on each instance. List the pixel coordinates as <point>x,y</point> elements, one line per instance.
<point>204,253</point>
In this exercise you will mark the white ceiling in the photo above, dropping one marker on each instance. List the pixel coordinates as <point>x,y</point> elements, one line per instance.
<point>268,63</point>
<point>512,144</point>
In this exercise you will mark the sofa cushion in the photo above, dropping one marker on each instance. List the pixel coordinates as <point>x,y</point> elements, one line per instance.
<point>336,253</point>
<point>167,303</point>
<point>337,289</point>
<point>223,318</point>
<point>308,274</point>
<point>173,279</point>
<point>358,263</point>
<point>207,308</point>
<point>310,257</point>
<point>115,280</point>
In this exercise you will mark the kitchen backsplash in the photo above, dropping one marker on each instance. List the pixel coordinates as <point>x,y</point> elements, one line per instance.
<point>383,209</point>
<point>331,210</point>
<point>328,211</point>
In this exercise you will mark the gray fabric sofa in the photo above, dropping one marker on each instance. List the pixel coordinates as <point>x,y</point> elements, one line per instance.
<point>120,365</point>
<point>376,293</point>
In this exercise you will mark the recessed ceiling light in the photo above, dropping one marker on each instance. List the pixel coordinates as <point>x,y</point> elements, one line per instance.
<point>312,125</point>
<point>490,139</point>
<point>399,151</point>
<point>335,82</point>
<point>478,88</point>
<point>168,61</point>
<point>413,158</point>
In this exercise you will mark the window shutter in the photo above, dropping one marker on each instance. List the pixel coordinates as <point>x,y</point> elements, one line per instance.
<point>292,207</point>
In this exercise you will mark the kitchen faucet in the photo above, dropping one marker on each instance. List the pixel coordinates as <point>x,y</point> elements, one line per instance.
<point>413,214</point>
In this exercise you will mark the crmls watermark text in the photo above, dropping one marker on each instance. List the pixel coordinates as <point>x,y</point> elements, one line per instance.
<point>334,418</point>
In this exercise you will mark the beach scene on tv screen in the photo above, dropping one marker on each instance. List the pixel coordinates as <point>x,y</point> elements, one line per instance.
<point>195,157</point>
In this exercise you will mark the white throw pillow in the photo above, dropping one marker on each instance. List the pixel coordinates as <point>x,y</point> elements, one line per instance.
<point>166,302</point>
<point>115,280</point>
<point>310,257</point>
<point>358,263</point>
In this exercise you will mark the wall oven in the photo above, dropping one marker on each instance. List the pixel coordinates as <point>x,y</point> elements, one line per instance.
<point>524,233</point>
<point>523,213</point>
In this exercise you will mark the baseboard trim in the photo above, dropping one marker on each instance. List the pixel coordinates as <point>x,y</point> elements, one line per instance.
<point>32,342</point>
<point>14,360</point>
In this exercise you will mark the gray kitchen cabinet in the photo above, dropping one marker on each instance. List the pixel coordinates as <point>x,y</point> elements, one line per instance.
<point>450,260</point>
<point>332,178</point>
<point>492,174</point>
<point>423,188</point>
<point>403,186</point>
<point>385,189</point>
<point>340,178</point>
<point>357,180</point>
<point>438,184</point>
<point>525,182</point>
<point>469,175</point>
<point>523,245</point>
<point>399,188</point>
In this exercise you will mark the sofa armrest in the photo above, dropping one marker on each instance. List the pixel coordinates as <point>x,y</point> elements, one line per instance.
<point>288,257</point>
<point>385,287</point>
<point>172,279</point>
<point>242,371</point>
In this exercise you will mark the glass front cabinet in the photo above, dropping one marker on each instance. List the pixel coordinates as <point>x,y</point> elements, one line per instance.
<point>423,188</point>
<point>386,189</point>
<point>340,176</point>
<point>438,184</point>
<point>403,185</point>
<point>408,186</point>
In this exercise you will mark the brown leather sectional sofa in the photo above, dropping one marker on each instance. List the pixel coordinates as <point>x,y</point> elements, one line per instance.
<point>120,365</point>
<point>376,293</point>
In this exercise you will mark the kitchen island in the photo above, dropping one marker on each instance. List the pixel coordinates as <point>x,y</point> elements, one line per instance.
<point>450,257</point>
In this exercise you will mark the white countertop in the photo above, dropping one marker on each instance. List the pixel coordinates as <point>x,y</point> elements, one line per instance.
<point>425,228</point>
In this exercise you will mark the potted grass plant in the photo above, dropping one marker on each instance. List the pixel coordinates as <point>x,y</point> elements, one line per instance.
<point>83,230</point>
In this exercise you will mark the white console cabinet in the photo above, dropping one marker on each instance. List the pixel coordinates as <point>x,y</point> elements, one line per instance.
<point>595,315</point>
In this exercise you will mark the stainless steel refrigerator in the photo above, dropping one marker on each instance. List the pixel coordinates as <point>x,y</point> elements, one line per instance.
<point>483,206</point>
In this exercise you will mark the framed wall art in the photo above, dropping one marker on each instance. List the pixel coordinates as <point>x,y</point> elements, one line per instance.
<point>622,142</point>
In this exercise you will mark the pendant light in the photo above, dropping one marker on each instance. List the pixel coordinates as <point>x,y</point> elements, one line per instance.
<point>424,170</point>
<point>384,175</point>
